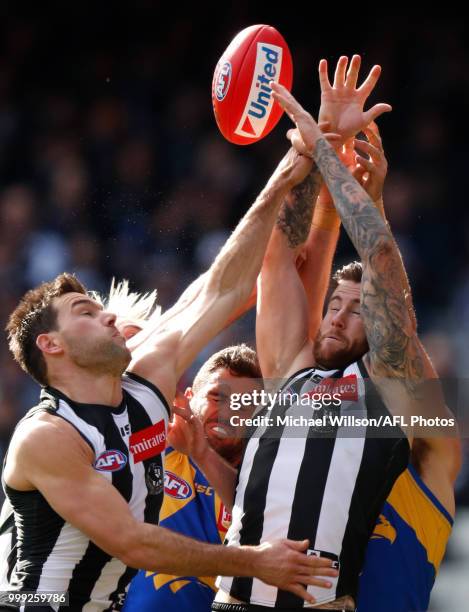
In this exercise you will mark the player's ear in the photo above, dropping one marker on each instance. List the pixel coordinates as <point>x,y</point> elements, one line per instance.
<point>49,344</point>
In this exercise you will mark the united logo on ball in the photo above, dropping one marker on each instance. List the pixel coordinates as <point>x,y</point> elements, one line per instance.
<point>242,98</point>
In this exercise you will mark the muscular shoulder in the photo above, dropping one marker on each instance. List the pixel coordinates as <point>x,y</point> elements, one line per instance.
<point>39,441</point>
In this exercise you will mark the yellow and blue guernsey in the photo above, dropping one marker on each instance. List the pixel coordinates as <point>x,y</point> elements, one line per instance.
<point>190,507</point>
<point>405,550</point>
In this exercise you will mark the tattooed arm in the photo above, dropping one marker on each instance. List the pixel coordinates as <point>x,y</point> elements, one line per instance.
<point>282,312</point>
<point>390,331</point>
<point>437,458</point>
<point>296,213</point>
<point>397,362</point>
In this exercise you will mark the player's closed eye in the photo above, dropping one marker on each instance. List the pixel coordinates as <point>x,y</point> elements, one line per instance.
<point>217,397</point>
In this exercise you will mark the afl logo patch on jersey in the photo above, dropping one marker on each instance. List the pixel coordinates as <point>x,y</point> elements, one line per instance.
<point>176,487</point>
<point>110,461</point>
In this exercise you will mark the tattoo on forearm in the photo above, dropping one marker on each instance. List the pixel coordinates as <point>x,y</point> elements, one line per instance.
<point>389,327</point>
<point>295,215</point>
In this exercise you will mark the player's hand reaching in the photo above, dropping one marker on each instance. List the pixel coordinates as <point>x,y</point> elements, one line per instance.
<point>371,171</point>
<point>296,165</point>
<point>308,132</point>
<point>185,431</point>
<point>342,103</point>
<point>284,564</point>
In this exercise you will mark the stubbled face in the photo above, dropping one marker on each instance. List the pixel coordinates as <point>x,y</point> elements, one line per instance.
<point>341,338</point>
<point>88,335</point>
<point>211,404</point>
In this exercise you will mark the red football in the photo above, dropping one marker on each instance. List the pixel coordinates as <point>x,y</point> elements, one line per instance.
<point>242,99</point>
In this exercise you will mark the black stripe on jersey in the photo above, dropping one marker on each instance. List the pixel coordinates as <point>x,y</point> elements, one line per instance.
<point>386,457</point>
<point>297,374</point>
<point>307,502</point>
<point>139,419</point>
<point>116,596</point>
<point>103,420</point>
<point>8,528</point>
<point>367,500</point>
<point>8,523</point>
<point>11,559</point>
<point>85,575</point>
<point>255,497</point>
<point>34,510</point>
<point>363,370</point>
<point>150,385</point>
<point>309,493</point>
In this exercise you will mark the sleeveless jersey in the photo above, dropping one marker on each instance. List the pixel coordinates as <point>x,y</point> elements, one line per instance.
<point>323,480</point>
<point>43,552</point>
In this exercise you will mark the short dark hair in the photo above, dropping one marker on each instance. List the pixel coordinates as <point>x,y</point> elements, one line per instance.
<point>349,272</point>
<point>36,315</point>
<point>240,360</point>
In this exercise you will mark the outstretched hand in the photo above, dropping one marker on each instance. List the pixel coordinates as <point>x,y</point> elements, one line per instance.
<point>308,131</point>
<point>371,172</point>
<point>185,431</point>
<point>342,104</point>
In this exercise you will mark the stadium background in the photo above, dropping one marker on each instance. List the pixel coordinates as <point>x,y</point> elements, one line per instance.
<point>111,164</point>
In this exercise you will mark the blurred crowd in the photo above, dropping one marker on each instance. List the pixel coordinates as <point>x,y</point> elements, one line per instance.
<point>111,163</point>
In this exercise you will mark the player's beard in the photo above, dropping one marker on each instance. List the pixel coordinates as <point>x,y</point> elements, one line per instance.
<point>101,356</point>
<point>340,358</point>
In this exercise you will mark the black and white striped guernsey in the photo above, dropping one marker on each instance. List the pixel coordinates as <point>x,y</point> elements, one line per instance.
<point>41,551</point>
<point>325,484</point>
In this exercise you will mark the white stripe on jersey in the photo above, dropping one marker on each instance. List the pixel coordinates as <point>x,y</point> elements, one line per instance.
<point>264,592</point>
<point>285,475</point>
<point>336,485</point>
<point>106,583</point>
<point>91,433</point>
<point>5,547</point>
<point>139,494</point>
<point>344,467</point>
<point>68,550</point>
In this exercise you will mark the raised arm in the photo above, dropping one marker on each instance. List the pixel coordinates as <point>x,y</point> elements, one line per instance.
<point>318,252</point>
<point>389,328</point>
<point>287,318</point>
<point>397,362</point>
<point>164,356</point>
<point>282,310</point>
<point>441,453</point>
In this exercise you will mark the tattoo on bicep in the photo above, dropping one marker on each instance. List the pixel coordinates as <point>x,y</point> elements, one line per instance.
<point>389,327</point>
<point>296,213</point>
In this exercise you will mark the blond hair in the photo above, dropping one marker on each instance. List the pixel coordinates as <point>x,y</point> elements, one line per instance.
<point>129,306</point>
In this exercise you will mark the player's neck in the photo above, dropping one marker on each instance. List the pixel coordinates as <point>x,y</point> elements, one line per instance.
<point>89,388</point>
